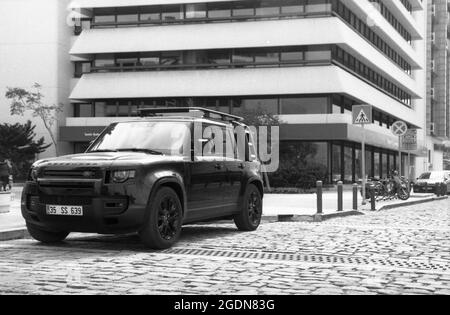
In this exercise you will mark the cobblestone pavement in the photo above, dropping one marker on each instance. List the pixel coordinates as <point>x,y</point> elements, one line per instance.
<point>401,251</point>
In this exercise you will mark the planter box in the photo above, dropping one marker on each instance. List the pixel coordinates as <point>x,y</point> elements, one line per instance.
<point>5,202</point>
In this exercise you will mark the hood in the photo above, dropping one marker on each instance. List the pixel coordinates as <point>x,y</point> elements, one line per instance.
<point>106,159</point>
<point>429,181</point>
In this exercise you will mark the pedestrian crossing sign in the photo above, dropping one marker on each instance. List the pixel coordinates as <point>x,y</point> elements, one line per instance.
<point>362,114</point>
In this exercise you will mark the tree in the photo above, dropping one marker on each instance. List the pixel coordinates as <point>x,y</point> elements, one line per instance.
<point>23,100</point>
<point>260,117</point>
<point>18,144</point>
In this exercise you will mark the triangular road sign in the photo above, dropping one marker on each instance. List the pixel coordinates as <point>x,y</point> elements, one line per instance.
<point>362,118</point>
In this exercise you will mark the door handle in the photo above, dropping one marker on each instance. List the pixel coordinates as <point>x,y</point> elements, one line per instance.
<point>241,166</point>
<point>218,167</point>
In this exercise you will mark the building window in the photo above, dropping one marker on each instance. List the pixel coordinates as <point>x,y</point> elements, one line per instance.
<point>336,161</point>
<point>268,105</point>
<point>83,110</point>
<point>304,105</point>
<point>104,60</point>
<point>244,56</point>
<point>171,58</point>
<point>219,57</point>
<point>150,14</point>
<point>292,54</point>
<point>267,7</point>
<point>219,10</point>
<point>82,68</point>
<point>196,11</point>
<point>243,8</point>
<point>172,13</point>
<point>127,16</point>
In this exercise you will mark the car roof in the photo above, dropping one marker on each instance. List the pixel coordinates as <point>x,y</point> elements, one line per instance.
<point>177,119</point>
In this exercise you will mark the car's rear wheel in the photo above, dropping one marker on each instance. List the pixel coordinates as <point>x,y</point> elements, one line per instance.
<point>46,236</point>
<point>163,228</point>
<point>250,216</point>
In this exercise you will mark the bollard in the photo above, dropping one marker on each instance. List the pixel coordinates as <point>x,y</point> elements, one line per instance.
<point>319,197</point>
<point>443,189</point>
<point>340,190</point>
<point>372,198</point>
<point>437,189</point>
<point>355,196</point>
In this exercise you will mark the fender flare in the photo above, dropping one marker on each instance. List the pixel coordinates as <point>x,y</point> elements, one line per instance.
<point>168,180</point>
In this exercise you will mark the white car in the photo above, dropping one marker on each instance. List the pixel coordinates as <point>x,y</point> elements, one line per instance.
<point>427,181</point>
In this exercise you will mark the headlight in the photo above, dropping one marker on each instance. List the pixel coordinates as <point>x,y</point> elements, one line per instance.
<point>122,176</point>
<point>33,174</point>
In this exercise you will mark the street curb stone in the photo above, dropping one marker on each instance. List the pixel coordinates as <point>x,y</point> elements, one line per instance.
<point>18,233</point>
<point>411,203</point>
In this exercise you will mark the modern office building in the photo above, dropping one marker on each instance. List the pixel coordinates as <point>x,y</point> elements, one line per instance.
<point>308,61</point>
<point>438,82</point>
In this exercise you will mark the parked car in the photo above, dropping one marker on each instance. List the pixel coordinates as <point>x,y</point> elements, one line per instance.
<point>427,181</point>
<point>140,176</point>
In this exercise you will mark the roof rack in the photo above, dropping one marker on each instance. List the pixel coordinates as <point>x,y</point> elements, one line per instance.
<point>207,113</point>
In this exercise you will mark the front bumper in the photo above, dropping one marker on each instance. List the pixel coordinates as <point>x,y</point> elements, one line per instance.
<point>107,209</point>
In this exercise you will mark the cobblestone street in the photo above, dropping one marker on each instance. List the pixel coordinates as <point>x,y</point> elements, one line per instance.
<point>399,251</point>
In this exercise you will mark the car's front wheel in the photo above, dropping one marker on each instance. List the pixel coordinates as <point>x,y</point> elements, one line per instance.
<point>250,216</point>
<point>163,228</point>
<point>46,236</point>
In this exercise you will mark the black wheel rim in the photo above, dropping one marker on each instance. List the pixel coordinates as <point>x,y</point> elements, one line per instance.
<point>168,218</point>
<point>254,208</point>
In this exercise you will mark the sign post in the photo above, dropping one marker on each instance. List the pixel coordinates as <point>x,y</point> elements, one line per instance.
<point>362,115</point>
<point>399,128</point>
<point>409,143</point>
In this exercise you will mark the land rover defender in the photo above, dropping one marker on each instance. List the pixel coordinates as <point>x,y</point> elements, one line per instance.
<point>152,175</point>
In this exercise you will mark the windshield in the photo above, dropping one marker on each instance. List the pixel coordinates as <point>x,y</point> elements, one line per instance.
<point>425,176</point>
<point>437,175</point>
<point>432,175</point>
<point>158,138</point>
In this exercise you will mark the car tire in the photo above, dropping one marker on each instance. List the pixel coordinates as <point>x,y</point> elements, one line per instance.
<point>163,227</point>
<point>250,216</point>
<point>46,237</point>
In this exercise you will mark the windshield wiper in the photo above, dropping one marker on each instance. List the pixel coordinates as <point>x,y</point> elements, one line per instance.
<point>149,151</point>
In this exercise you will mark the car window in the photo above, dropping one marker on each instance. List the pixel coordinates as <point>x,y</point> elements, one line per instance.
<point>437,175</point>
<point>214,141</point>
<point>425,176</point>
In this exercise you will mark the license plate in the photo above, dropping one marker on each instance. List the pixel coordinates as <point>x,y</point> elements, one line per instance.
<point>76,211</point>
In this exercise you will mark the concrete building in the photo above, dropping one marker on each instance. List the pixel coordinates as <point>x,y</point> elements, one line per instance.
<point>34,48</point>
<point>308,61</point>
<point>438,82</point>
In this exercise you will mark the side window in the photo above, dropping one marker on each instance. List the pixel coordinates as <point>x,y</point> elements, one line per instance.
<point>245,145</point>
<point>230,147</point>
<point>214,141</point>
<point>252,156</point>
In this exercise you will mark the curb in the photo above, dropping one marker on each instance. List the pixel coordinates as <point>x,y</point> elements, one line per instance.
<point>411,203</point>
<point>310,218</point>
<point>14,234</point>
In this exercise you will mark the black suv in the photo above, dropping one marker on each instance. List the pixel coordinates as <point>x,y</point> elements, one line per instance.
<point>149,175</point>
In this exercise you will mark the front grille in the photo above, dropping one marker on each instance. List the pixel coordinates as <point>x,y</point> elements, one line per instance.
<point>65,185</point>
<point>65,200</point>
<point>77,173</point>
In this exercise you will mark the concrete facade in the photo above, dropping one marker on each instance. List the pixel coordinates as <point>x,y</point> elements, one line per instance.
<point>34,47</point>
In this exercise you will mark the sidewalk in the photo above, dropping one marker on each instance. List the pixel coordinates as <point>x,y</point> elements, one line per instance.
<point>277,207</point>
